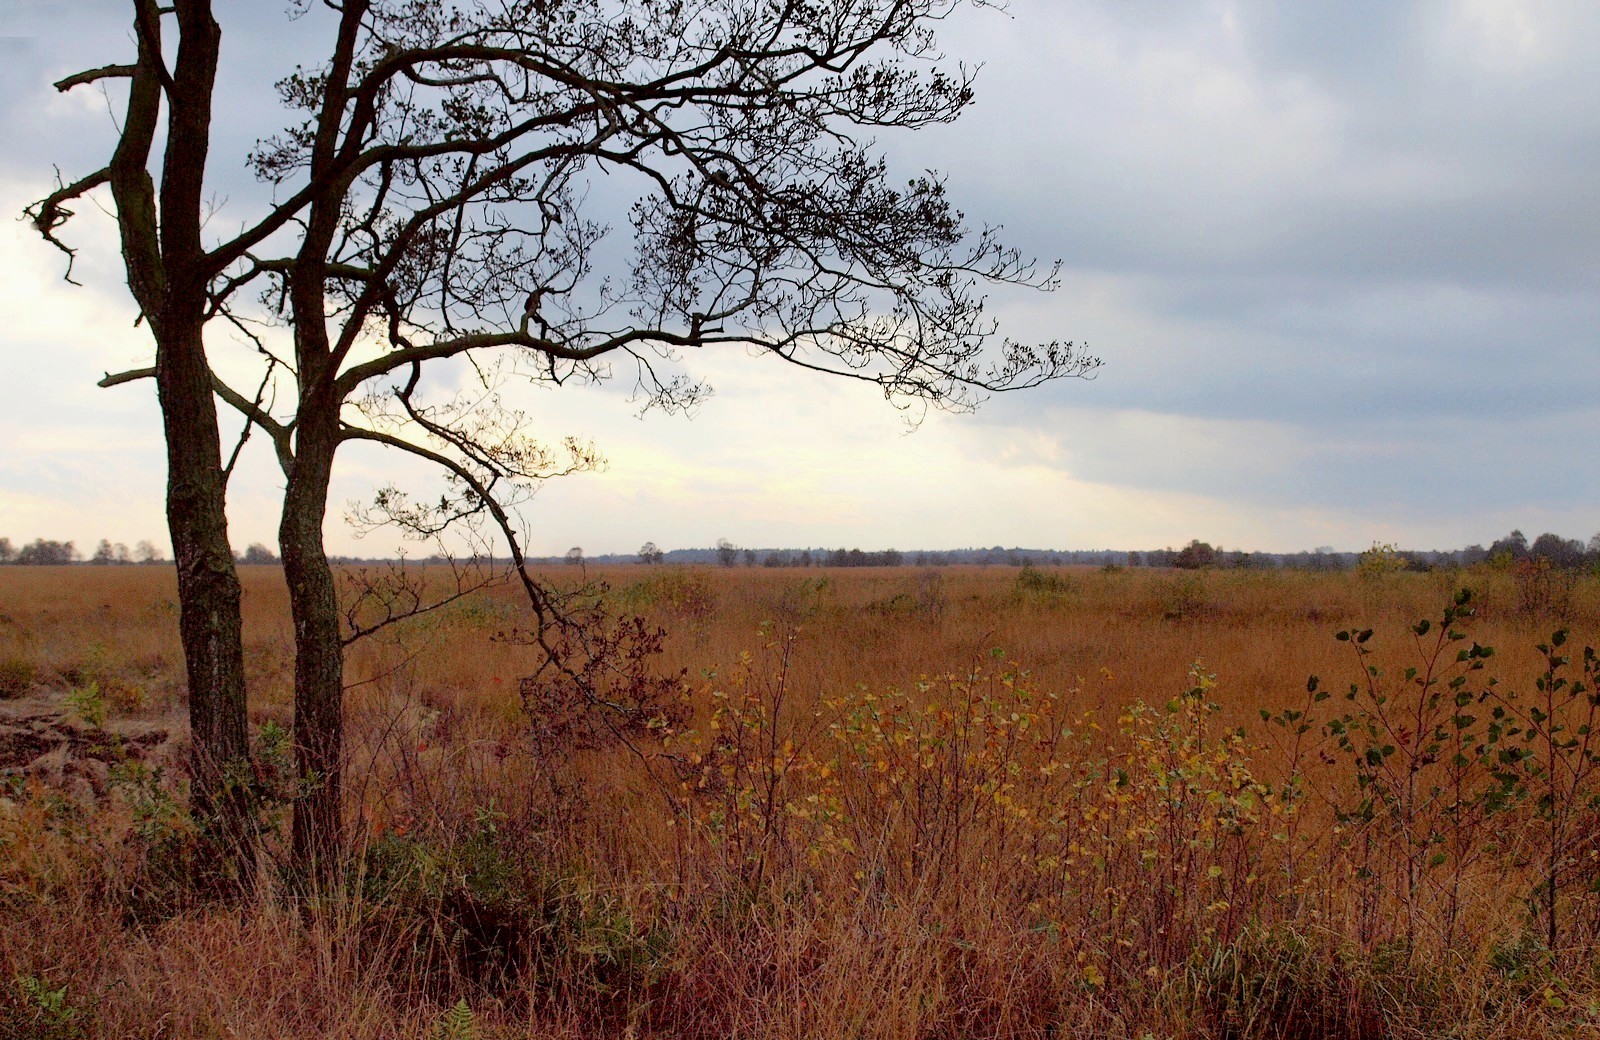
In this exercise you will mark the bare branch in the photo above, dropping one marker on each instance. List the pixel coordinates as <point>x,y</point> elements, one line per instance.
<point>129,376</point>
<point>51,212</point>
<point>399,598</point>
<point>279,432</point>
<point>254,414</point>
<point>78,79</point>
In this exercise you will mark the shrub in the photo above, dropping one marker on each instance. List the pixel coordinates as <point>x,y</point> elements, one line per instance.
<point>17,676</point>
<point>482,909</point>
<point>680,592</point>
<point>1035,585</point>
<point>1183,598</point>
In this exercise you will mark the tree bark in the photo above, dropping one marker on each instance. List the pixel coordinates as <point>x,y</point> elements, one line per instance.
<point>165,261</point>
<point>210,619</point>
<point>313,597</point>
<point>319,649</point>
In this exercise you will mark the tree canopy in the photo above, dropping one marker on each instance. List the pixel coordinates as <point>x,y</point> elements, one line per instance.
<point>448,188</point>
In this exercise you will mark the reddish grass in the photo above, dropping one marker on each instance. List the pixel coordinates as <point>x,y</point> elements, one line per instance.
<point>892,809</point>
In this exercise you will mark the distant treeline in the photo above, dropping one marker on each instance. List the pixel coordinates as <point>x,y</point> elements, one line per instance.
<point>1514,547</point>
<point>44,552</point>
<point>1566,553</point>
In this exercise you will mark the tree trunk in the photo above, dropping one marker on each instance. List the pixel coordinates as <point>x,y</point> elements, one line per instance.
<point>208,590</point>
<point>164,257</point>
<point>319,648</point>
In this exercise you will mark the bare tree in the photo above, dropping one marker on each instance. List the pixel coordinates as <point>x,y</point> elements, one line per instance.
<point>444,195</point>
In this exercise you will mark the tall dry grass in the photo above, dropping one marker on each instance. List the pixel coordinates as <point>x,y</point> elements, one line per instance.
<point>967,802</point>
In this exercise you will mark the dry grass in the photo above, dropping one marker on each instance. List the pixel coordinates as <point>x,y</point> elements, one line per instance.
<point>896,803</point>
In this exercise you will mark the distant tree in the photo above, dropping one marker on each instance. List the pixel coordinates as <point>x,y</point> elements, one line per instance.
<point>8,553</point>
<point>1324,559</point>
<point>805,556</point>
<point>122,554</point>
<point>258,554</point>
<point>43,553</point>
<point>749,557</point>
<point>574,556</point>
<point>1195,555</point>
<point>1513,546</point>
<point>727,552</point>
<point>146,552</point>
<point>1560,551</point>
<point>648,553</point>
<point>103,553</point>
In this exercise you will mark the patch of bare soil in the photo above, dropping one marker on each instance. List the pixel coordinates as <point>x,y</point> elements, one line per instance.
<point>41,737</point>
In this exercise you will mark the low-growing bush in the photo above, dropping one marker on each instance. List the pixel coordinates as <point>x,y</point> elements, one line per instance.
<point>17,676</point>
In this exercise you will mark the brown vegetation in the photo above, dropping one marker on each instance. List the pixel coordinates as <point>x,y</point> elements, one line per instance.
<point>900,803</point>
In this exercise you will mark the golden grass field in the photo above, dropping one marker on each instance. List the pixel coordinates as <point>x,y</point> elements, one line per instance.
<point>973,802</point>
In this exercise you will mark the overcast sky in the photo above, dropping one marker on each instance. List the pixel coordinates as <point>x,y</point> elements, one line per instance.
<point>1341,258</point>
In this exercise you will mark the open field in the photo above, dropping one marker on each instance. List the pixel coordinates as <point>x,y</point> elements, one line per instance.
<point>878,803</point>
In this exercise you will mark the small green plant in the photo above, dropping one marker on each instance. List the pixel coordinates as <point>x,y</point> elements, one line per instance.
<point>1449,771</point>
<point>1552,760</point>
<point>458,1023</point>
<point>88,703</point>
<point>35,1011</point>
<point>1420,754</point>
<point>274,761</point>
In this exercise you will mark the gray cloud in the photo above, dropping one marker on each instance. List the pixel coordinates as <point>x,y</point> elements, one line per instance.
<point>1341,255</point>
<point>1365,232</point>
